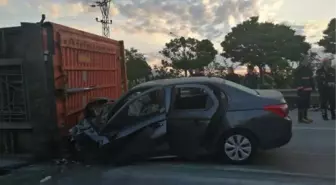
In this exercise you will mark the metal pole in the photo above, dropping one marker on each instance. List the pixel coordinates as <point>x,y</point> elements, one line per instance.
<point>104,7</point>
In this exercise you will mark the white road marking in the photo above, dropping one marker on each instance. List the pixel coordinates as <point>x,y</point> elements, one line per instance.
<point>314,128</point>
<point>250,170</point>
<point>45,179</point>
<point>329,154</point>
<point>274,172</point>
<point>164,157</point>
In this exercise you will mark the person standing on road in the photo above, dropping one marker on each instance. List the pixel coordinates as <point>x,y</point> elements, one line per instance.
<point>303,80</point>
<point>232,76</point>
<point>325,77</point>
<point>251,79</point>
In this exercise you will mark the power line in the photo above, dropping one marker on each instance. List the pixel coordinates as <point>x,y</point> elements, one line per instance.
<point>173,34</point>
<point>104,7</point>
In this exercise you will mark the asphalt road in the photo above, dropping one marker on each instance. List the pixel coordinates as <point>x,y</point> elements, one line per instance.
<point>311,150</point>
<point>309,158</point>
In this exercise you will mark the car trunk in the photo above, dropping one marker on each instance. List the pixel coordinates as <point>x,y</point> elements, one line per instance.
<point>271,97</point>
<point>256,101</point>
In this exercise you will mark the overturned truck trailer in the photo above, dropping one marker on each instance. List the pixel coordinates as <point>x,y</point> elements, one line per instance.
<point>48,73</point>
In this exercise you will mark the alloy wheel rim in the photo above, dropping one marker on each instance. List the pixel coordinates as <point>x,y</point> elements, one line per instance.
<point>238,147</point>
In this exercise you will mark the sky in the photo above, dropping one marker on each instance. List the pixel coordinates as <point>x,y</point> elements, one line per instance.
<point>146,24</point>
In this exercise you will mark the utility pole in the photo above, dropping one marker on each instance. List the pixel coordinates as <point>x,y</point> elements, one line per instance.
<point>104,6</point>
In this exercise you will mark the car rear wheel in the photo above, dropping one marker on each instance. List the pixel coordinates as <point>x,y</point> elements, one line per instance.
<point>238,147</point>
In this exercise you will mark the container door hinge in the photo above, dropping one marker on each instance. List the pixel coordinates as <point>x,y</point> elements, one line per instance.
<point>46,55</point>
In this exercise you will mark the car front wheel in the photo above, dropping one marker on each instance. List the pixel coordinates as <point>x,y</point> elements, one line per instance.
<point>238,148</point>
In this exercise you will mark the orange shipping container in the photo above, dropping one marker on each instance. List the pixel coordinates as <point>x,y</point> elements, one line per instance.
<point>62,69</point>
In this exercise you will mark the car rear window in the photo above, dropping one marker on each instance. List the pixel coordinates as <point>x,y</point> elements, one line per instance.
<point>240,87</point>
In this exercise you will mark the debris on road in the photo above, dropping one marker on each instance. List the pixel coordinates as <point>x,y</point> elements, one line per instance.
<point>45,179</point>
<point>61,162</point>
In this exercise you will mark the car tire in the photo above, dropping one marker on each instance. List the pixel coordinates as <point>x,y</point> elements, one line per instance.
<point>237,147</point>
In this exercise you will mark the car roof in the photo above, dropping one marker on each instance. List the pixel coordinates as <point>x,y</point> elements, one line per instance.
<point>177,81</point>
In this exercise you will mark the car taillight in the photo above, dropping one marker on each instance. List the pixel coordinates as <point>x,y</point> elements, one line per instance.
<point>280,110</point>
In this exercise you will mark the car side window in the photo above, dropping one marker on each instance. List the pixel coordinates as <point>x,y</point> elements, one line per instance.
<point>189,98</point>
<point>133,95</point>
<point>148,104</point>
<point>139,108</point>
<point>123,101</point>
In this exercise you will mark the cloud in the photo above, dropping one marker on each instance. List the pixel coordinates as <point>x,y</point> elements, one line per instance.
<point>59,9</point>
<point>210,19</point>
<point>268,11</point>
<point>313,30</point>
<point>3,2</point>
<point>53,8</point>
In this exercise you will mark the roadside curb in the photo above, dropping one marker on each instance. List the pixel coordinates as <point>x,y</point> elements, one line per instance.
<point>16,166</point>
<point>6,169</point>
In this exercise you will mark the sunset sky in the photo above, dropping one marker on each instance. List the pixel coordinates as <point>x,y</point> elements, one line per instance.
<point>145,24</point>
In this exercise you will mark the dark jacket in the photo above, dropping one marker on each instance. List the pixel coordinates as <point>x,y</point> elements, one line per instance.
<point>324,77</point>
<point>251,81</point>
<point>233,77</point>
<point>303,77</point>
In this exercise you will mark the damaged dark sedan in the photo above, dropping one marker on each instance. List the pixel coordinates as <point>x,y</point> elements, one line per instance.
<point>186,117</point>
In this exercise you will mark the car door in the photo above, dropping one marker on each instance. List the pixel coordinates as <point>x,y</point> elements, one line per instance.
<point>138,127</point>
<point>192,109</point>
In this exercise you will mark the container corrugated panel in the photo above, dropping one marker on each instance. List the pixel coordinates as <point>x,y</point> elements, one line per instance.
<point>85,66</point>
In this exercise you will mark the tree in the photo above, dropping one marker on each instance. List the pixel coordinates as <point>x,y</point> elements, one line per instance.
<point>328,41</point>
<point>189,53</point>
<point>261,44</point>
<point>217,67</point>
<point>269,82</point>
<point>313,59</point>
<point>281,73</point>
<point>165,71</point>
<point>137,66</point>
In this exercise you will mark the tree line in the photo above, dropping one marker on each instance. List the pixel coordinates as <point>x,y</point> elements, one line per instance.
<point>275,49</point>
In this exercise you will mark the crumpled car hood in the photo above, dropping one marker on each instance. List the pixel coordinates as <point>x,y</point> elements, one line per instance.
<point>85,127</point>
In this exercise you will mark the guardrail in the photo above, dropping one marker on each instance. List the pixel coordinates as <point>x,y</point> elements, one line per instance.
<point>291,97</point>
<point>293,93</point>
